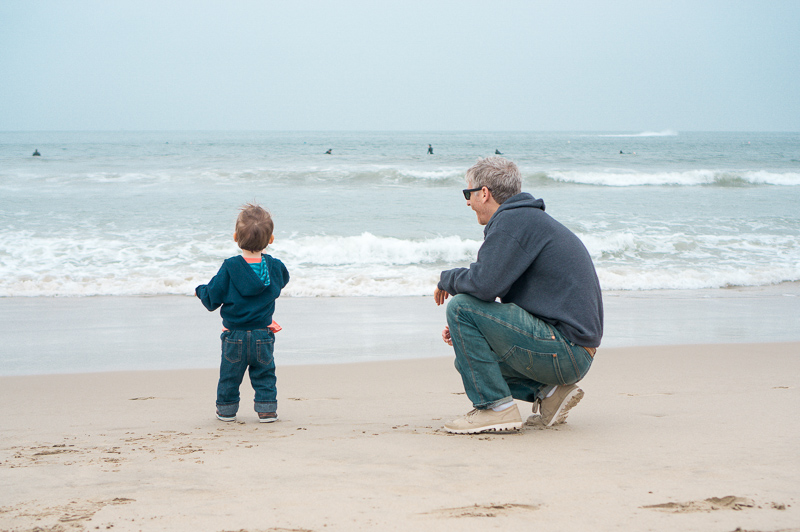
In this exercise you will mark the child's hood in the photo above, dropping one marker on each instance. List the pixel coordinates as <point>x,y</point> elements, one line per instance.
<point>243,278</point>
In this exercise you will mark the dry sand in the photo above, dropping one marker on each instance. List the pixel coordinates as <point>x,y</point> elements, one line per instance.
<point>679,438</point>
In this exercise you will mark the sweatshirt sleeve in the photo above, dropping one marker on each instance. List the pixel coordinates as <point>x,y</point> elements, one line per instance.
<point>279,272</point>
<point>501,261</point>
<point>212,294</point>
<point>285,274</point>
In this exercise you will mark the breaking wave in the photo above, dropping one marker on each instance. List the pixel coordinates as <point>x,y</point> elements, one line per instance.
<point>664,133</point>
<point>370,265</point>
<point>682,178</point>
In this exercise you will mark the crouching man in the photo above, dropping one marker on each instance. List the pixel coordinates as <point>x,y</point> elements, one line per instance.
<point>541,337</point>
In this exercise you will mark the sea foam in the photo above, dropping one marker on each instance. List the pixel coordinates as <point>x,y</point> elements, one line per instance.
<point>614,178</point>
<point>371,265</point>
<point>663,133</point>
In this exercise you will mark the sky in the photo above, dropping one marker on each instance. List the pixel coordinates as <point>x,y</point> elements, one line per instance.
<point>373,65</point>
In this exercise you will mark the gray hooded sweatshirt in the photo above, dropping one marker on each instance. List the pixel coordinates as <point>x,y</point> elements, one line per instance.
<point>529,259</point>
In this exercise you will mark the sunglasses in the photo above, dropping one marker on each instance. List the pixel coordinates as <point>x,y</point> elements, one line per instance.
<point>468,191</point>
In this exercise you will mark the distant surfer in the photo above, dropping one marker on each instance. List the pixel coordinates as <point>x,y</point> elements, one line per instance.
<point>621,152</point>
<point>329,152</point>
<point>497,152</point>
<point>36,153</point>
<point>430,149</point>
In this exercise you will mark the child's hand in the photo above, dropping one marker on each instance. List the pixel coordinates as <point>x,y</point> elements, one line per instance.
<point>446,336</point>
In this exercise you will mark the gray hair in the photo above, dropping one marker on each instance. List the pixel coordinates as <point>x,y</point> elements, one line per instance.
<point>499,175</point>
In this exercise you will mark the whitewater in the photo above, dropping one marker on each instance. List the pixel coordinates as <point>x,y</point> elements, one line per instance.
<point>150,213</point>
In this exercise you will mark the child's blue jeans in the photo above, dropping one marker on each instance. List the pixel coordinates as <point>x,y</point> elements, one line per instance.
<point>242,350</point>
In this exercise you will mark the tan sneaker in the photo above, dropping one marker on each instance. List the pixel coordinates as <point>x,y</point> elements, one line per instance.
<point>554,409</point>
<point>486,421</point>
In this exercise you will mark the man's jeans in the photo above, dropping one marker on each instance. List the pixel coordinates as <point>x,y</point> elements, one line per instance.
<point>503,351</point>
<point>240,350</point>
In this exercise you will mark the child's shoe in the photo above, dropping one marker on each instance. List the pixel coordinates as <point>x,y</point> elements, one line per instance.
<point>226,418</point>
<point>267,417</point>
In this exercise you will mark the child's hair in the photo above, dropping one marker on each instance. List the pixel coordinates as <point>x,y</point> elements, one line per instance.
<point>253,228</point>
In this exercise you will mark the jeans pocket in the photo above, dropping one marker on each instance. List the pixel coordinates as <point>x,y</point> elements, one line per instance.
<point>574,364</point>
<point>538,366</point>
<point>583,360</point>
<point>264,351</point>
<point>232,350</point>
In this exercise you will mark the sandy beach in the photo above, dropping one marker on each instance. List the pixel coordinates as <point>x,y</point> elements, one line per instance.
<point>646,150</point>
<point>690,437</point>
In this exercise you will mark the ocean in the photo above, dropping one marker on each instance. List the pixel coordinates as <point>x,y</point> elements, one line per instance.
<point>151,213</point>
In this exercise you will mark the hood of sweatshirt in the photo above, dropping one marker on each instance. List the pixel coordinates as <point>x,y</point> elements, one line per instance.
<point>523,200</point>
<point>244,278</point>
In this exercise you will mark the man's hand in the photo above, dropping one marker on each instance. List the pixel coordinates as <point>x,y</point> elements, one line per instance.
<point>440,296</point>
<point>446,336</point>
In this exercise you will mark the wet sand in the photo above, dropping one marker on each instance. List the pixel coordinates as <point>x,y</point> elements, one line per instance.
<point>77,335</point>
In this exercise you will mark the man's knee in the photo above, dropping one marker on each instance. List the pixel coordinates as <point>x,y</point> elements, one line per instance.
<point>459,302</point>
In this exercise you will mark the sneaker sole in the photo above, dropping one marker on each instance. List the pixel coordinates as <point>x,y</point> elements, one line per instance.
<point>500,427</point>
<point>226,419</point>
<point>268,420</point>
<point>567,404</point>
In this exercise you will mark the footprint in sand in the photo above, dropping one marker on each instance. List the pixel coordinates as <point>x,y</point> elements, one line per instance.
<point>73,512</point>
<point>730,502</point>
<point>484,510</point>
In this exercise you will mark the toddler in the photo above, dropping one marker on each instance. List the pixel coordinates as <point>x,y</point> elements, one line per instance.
<point>246,286</point>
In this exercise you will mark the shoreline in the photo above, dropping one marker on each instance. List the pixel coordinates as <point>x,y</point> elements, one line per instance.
<point>693,438</point>
<point>130,333</point>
